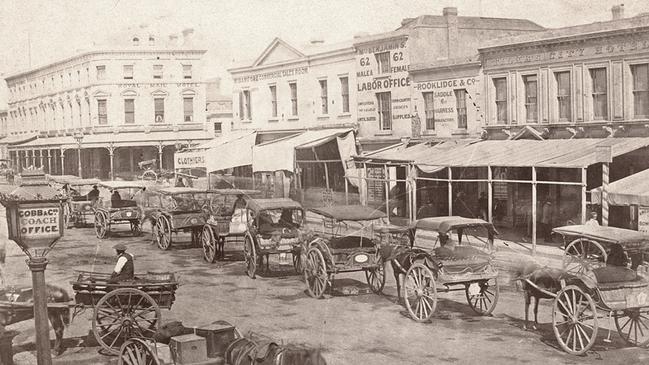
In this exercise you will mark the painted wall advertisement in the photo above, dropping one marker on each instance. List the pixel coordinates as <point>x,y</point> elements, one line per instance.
<point>447,100</point>
<point>643,219</point>
<point>383,68</point>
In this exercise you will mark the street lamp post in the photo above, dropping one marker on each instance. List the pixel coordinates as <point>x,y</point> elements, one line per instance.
<point>78,136</point>
<point>36,237</point>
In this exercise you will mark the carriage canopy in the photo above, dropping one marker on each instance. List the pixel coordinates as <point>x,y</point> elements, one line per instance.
<point>625,237</point>
<point>446,224</point>
<point>258,205</point>
<point>349,212</point>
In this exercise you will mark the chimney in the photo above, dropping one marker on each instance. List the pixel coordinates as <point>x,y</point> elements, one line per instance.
<point>452,38</point>
<point>361,35</point>
<point>405,21</point>
<point>617,11</point>
<point>188,35</point>
<point>316,41</point>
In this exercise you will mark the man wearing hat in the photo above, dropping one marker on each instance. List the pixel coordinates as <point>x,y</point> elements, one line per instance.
<point>124,268</point>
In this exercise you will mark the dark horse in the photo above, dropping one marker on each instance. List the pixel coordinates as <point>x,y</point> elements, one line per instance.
<point>402,257</point>
<point>244,351</point>
<point>59,317</point>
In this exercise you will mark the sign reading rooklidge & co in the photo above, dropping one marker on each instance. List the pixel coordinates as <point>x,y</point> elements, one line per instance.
<point>34,224</point>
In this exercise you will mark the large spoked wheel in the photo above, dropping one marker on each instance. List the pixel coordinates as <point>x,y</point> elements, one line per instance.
<point>633,326</point>
<point>101,225</point>
<point>574,320</point>
<point>136,228</point>
<point>250,254</point>
<point>136,351</point>
<point>163,230</point>
<point>420,292</point>
<point>124,313</point>
<point>315,273</point>
<point>583,255</point>
<point>376,278</point>
<point>209,245</point>
<point>483,301</point>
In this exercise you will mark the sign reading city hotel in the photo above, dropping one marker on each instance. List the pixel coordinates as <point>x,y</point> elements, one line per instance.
<point>272,75</point>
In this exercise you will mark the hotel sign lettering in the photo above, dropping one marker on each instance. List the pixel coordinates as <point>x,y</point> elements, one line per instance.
<point>272,75</point>
<point>609,49</point>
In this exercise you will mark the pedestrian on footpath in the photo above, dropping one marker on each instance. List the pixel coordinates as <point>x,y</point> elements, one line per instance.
<point>593,220</point>
<point>546,220</point>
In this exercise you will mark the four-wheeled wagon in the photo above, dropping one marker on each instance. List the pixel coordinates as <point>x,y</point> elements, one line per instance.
<point>117,205</point>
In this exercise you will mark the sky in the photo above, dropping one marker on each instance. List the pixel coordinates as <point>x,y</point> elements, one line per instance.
<point>36,32</point>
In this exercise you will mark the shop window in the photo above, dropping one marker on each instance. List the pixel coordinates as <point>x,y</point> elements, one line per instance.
<point>136,41</point>
<point>273,101</point>
<point>429,106</point>
<point>187,71</point>
<point>383,62</point>
<point>531,100</point>
<point>159,110</point>
<point>324,101</point>
<point>599,90</point>
<point>640,90</point>
<point>157,71</point>
<point>129,111</point>
<point>293,87</point>
<point>102,112</point>
<point>188,109</point>
<point>128,72</point>
<point>460,106</point>
<point>501,99</point>
<point>384,106</point>
<point>344,90</point>
<point>564,104</point>
<point>218,128</point>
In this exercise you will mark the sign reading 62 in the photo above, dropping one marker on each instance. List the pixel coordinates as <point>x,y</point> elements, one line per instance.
<point>365,61</point>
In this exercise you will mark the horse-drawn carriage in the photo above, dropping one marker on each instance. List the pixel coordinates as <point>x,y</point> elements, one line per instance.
<point>117,204</point>
<point>595,284</point>
<point>78,210</point>
<point>120,310</point>
<point>465,263</point>
<point>346,243</point>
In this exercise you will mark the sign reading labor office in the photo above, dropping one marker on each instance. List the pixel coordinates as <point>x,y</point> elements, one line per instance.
<point>35,224</point>
<point>189,160</point>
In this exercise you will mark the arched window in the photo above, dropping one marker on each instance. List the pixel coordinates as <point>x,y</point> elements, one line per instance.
<point>136,41</point>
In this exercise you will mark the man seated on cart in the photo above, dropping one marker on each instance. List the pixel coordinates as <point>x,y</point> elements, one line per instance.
<point>286,219</point>
<point>124,269</point>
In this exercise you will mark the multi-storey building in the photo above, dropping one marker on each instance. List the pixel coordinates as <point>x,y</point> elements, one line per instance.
<point>407,83</point>
<point>218,108</point>
<point>3,134</point>
<point>113,107</point>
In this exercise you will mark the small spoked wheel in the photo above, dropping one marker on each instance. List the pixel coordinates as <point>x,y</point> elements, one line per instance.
<point>251,257</point>
<point>163,230</point>
<point>376,278</point>
<point>483,296</point>
<point>136,228</point>
<point>209,245</point>
<point>315,273</point>
<point>122,314</point>
<point>101,225</point>
<point>420,292</point>
<point>583,255</point>
<point>574,320</point>
<point>633,326</point>
<point>136,351</point>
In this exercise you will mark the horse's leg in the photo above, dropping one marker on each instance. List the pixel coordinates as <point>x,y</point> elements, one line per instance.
<point>536,312</point>
<point>397,276</point>
<point>57,324</point>
<point>526,293</point>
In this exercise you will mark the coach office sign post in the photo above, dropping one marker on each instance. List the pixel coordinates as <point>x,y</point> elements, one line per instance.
<point>36,225</point>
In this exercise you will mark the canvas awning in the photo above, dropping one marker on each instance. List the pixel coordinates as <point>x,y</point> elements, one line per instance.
<point>232,150</point>
<point>280,154</point>
<point>631,190</point>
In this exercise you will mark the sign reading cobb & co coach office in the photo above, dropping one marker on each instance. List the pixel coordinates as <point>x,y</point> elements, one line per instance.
<point>34,224</point>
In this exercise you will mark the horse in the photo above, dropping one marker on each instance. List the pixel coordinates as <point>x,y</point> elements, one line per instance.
<point>402,257</point>
<point>244,351</point>
<point>58,317</point>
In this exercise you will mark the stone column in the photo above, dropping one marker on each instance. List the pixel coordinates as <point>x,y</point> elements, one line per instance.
<point>62,161</point>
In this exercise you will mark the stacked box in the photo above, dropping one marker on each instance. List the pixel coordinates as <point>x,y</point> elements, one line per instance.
<point>188,349</point>
<point>218,336</point>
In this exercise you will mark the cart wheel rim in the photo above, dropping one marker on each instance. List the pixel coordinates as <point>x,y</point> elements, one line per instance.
<point>100,225</point>
<point>164,233</point>
<point>135,351</point>
<point>633,326</point>
<point>420,293</point>
<point>484,302</point>
<point>122,314</point>
<point>574,320</point>
<point>315,273</point>
<point>376,278</point>
<point>583,255</point>
<point>251,257</point>
<point>209,245</point>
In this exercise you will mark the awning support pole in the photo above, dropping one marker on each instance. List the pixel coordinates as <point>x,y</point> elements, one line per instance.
<point>387,191</point>
<point>325,167</point>
<point>346,191</point>
<point>583,195</point>
<point>605,174</point>
<point>365,190</point>
<point>490,194</point>
<point>450,191</point>
<point>62,161</point>
<point>534,211</point>
<point>111,154</point>
<point>413,192</point>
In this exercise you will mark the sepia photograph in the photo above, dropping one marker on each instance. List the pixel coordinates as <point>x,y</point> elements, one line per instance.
<point>341,182</point>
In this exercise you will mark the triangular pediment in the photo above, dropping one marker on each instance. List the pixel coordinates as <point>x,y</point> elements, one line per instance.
<point>278,51</point>
<point>527,132</point>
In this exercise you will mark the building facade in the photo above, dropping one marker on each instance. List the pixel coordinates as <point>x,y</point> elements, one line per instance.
<point>112,107</point>
<point>433,50</point>
<point>287,88</point>
<point>3,134</point>
<point>218,109</point>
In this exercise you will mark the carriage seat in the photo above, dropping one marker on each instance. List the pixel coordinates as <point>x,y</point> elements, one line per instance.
<point>123,203</point>
<point>350,242</point>
<point>617,275</point>
<point>462,259</point>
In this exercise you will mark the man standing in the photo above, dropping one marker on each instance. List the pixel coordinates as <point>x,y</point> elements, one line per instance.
<point>483,206</point>
<point>546,220</point>
<point>124,268</point>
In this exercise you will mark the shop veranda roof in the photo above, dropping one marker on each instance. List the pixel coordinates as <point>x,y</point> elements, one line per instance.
<point>631,190</point>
